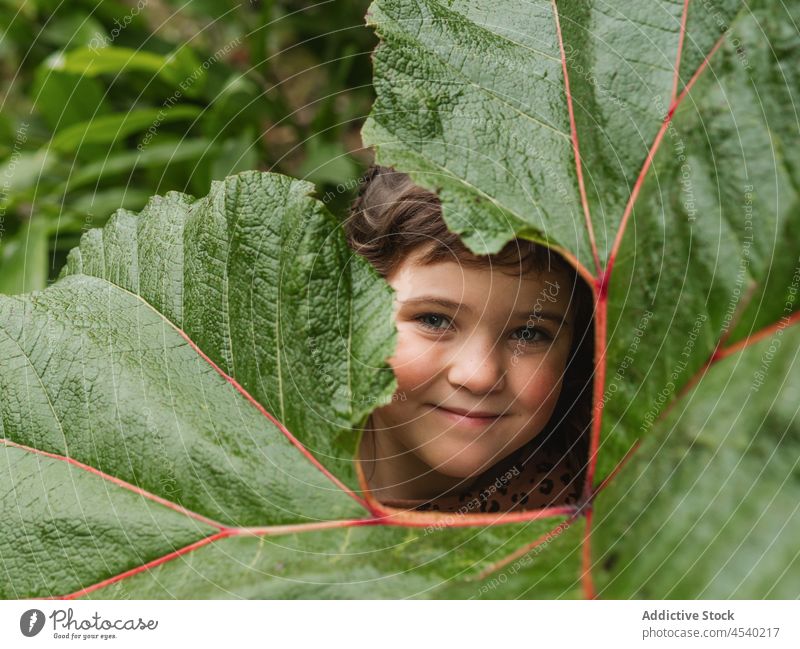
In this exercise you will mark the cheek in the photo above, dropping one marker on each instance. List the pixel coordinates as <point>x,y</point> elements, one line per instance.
<point>537,387</point>
<point>415,361</point>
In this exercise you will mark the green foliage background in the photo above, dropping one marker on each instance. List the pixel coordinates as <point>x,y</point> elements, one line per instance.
<point>275,85</point>
<point>188,350</point>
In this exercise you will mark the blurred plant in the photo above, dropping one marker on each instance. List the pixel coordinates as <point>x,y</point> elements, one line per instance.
<point>103,104</point>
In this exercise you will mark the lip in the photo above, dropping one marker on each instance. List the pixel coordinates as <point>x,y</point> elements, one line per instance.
<point>474,418</point>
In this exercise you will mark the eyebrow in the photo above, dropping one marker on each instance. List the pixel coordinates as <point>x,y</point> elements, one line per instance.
<point>449,304</point>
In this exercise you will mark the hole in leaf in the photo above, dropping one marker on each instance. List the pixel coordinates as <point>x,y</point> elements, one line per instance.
<point>494,364</point>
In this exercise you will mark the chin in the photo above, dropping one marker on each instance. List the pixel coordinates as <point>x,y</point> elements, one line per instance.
<point>462,466</point>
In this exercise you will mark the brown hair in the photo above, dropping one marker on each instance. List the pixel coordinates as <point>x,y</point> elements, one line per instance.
<point>391,217</point>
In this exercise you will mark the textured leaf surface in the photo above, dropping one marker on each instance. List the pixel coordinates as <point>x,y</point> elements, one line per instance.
<point>179,410</point>
<point>259,277</point>
<point>133,371</point>
<point>708,508</point>
<point>655,145</point>
<point>376,561</point>
<point>63,526</point>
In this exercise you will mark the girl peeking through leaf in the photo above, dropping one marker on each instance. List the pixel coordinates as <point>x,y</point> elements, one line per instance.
<point>493,363</point>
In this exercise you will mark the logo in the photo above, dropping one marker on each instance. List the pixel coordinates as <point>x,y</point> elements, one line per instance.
<point>31,622</point>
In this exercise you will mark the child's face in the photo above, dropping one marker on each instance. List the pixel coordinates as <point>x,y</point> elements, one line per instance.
<point>485,354</point>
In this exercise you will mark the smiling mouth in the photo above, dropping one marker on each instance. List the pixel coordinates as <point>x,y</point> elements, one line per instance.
<point>468,417</point>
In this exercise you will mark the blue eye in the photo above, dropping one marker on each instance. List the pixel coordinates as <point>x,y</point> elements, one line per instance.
<point>434,321</point>
<point>527,335</point>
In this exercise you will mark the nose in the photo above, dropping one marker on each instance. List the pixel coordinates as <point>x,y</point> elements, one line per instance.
<point>477,366</point>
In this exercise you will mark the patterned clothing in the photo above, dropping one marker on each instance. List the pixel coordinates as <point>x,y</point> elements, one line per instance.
<point>545,479</point>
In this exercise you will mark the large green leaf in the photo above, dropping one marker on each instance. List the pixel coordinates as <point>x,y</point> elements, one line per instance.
<point>708,505</point>
<point>189,390</point>
<point>179,410</point>
<point>173,356</point>
<point>655,145</point>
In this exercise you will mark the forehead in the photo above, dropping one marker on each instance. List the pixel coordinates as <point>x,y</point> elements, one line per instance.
<point>483,289</point>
